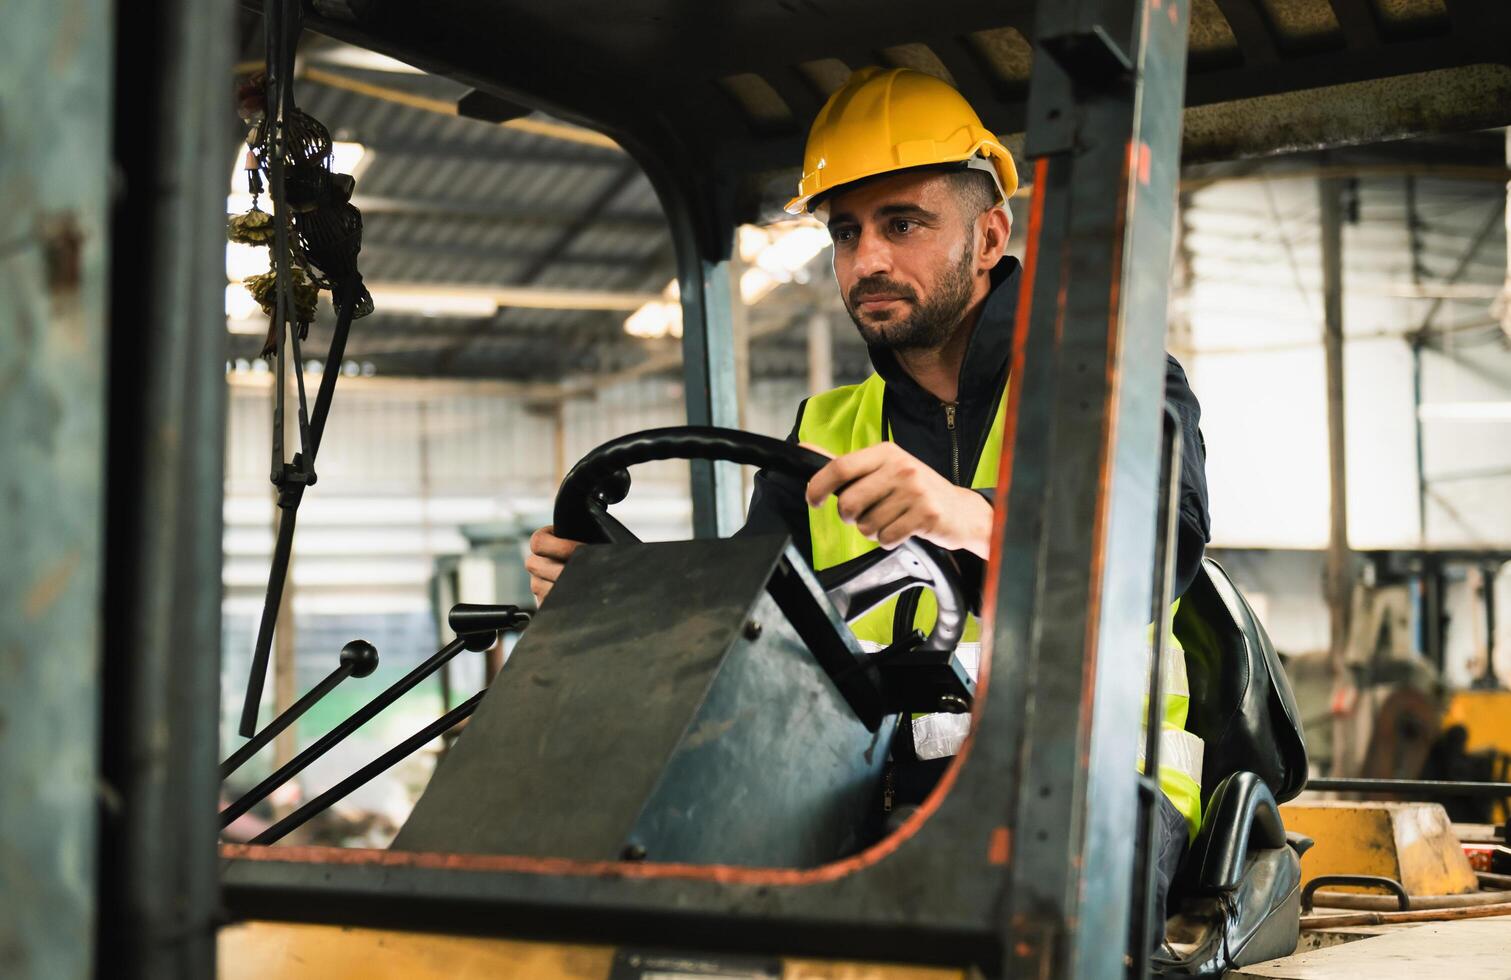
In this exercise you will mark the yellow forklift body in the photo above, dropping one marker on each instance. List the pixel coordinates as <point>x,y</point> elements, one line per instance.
<point>296,951</point>
<point>1410,842</point>
<point>1486,715</point>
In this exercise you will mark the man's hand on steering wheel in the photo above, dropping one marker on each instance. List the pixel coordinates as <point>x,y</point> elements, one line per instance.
<point>548,556</point>
<point>890,495</point>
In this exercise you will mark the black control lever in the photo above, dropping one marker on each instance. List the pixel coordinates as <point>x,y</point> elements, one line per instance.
<point>368,711</point>
<point>368,772</point>
<point>358,659</point>
<point>336,735</point>
<point>478,624</point>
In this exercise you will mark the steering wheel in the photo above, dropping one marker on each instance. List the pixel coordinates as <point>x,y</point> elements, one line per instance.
<point>601,478</point>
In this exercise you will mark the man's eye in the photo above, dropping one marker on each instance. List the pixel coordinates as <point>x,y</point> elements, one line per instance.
<point>902,226</point>
<point>843,235</point>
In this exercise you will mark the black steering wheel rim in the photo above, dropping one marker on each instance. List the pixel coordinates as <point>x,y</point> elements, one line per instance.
<point>601,478</point>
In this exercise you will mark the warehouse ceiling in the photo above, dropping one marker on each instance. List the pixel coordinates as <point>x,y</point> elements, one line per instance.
<point>454,207</point>
<point>560,218</point>
<point>729,86</point>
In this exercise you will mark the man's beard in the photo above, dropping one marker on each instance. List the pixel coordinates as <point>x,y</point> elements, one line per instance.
<point>930,324</point>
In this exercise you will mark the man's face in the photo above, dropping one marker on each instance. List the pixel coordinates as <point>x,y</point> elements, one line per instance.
<point>905,259</point>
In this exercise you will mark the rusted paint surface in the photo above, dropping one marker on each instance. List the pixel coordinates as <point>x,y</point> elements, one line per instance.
<point>55,61</point>
<point>50,585</point>
<point>63,248</point>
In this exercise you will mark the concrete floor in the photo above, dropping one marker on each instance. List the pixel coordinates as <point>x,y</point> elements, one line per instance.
<point>1469,949</point>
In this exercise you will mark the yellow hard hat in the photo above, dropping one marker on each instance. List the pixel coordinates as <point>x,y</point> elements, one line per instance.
<point>882,120</point>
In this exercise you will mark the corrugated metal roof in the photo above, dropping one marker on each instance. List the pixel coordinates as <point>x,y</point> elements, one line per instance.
<point>457,201</point>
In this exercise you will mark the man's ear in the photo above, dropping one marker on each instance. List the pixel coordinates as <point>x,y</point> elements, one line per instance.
<point>994,226</point>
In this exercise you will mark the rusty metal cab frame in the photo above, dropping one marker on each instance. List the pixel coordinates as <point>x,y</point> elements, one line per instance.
<point>712,101</point>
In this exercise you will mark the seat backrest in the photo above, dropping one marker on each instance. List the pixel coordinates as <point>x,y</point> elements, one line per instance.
<point>1241,702</point>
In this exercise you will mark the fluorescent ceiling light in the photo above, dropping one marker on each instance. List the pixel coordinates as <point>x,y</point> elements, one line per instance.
<point>467,301</point>
<point>351,56</point>
<point>247,328</point>
<point>347,157</point>
<point>1466,411</point>
<point>773,254</point>
<point>240,305</point>
<point>244,261</point>
<point>438,301</point>
<point>660,318</point>
<point>778,253</point>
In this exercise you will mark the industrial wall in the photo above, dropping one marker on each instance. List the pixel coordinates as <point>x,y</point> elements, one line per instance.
<point>1255,311</point>
<point>414,471</point>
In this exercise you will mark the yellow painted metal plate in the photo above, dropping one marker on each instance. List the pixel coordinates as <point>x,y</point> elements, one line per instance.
<point>291,951</point>
<point>284,951</point>
<point>1486,715</point>
<point>1410,842</point>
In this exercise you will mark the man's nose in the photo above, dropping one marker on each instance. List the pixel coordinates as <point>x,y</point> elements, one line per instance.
<point>873,256</point>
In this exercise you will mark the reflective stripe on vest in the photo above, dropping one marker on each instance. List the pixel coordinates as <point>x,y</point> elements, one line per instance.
<point>851,418</point>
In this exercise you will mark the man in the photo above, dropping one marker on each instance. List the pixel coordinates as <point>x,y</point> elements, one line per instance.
<point>914,192</point>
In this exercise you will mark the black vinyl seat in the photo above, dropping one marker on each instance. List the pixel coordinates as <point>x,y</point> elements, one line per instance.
<point>1237,896</point>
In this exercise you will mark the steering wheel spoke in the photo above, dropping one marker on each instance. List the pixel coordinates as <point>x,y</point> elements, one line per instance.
<point>865,582</point>
<point>613,531</point>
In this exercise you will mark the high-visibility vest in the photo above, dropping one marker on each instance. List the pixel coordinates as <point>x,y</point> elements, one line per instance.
<point>850,418</point>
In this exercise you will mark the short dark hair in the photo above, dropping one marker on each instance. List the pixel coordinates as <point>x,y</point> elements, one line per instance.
<point>975,190</point>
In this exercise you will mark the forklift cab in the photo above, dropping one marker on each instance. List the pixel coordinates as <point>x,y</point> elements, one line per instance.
<point>695,702</point>
<point>683,752</point>
<point>744,726</point>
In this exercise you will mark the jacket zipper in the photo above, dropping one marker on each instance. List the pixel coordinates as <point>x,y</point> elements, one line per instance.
<point>949,423</point>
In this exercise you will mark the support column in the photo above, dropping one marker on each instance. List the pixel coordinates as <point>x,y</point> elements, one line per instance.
<point>708,369</point>
<point>54,276</point>
<point>159,866</point>
<point>1072,582</point>
<point>1339,581</point>
<point>820,353</point>
<point>739,334</point>
<point>703,235</point>
<point>1506,288</point>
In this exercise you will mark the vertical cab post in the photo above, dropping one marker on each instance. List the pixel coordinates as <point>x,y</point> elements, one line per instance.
<point>1072,579</point>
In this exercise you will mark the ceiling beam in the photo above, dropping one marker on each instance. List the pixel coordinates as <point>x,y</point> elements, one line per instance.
<point>585,219</point>
<point>489,212</point>
<point>442,297</point>
<point>445,107</point>
<point>487,253</point>
<point>490,151</point>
